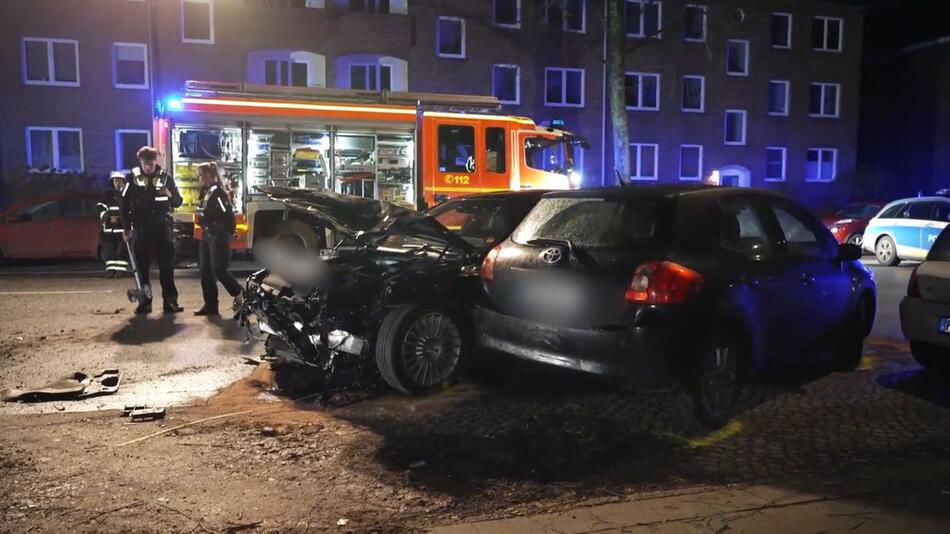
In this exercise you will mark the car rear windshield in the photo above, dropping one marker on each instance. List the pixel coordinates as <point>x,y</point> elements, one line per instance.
<point>591,222</point>
<point>941,249</point>
<point>481,222</point>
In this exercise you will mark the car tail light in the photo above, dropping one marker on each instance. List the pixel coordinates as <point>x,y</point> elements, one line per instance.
<point>488,264</point>
<point>913,288</point>
<point>663,282</point>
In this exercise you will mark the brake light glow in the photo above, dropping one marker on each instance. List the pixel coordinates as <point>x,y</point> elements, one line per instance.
<point>488,264</point>
<point>663,282</point>
<point>913,287</point>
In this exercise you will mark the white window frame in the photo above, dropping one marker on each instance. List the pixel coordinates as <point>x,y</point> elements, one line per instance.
<point>562,71</point>
<point>791,19</point>
<point>824,45</point>
<point>659,18</point>
<point>181,12</point>
<point>438,26</point>
<point>547,8</point>
<point>834,164</point>
<point>705,24</point>
<point>637,175</point>
<point>699,167</point>
<point>118,143</point>
<point>824,87</point>
<point>367,66</point>
<point>745,71</point>
<point>115,80</point>
<point>516,26</point>
<point>517,100</point>
<point>784,150</point>
<point>641,75</point>
<point>54,136</point>
<point>725,127</point>
<point>702,93</point>
<point>787,85</point>
<point>50,61</point>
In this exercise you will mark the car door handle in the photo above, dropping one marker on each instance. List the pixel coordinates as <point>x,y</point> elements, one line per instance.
<point>808,279</point>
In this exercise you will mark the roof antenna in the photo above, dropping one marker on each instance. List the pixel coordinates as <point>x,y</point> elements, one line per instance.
<point>619,179</point>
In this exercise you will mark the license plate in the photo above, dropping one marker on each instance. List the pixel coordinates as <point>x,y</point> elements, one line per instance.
<point>944,325</point>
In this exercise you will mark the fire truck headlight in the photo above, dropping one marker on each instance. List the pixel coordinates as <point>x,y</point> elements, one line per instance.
<point>174,104</point>
<point>575,179</point>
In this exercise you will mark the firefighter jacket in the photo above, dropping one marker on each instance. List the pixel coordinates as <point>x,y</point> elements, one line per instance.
<point>109,208</point>
<point>143,201</point>
<point>215,213</point>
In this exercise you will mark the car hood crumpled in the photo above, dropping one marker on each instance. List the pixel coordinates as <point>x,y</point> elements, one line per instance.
<point>358,217</point>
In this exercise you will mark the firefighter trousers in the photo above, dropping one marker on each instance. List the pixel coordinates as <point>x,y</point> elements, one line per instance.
<point>113,251</point>
<point>155,241</point>
<point>214,253</point>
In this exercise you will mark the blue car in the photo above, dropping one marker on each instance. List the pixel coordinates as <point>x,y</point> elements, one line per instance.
<point>906,229</point>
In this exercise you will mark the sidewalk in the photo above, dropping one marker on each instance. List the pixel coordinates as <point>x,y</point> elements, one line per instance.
<point>915,500</point>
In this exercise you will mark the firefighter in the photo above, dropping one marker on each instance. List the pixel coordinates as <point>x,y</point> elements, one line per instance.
<point>111,243</point>
<point>148,199</point>
<point>217,225</point>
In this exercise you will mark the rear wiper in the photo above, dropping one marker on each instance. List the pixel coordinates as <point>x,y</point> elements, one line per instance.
<point>554,241</point>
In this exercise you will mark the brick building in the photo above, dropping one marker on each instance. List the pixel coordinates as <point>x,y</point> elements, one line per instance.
<point>760,92</point>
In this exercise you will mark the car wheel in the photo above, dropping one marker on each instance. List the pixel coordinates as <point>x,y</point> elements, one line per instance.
<point>719,381</point>
<point>418,349</point>
<point>886,252</point>
<point>931,357</point>
<point>298,233</point>
<point>855,239</point>
<point>851,343</point>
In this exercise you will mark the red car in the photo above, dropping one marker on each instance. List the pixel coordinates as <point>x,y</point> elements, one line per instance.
<point>51,227</point>
<point>848,223</point>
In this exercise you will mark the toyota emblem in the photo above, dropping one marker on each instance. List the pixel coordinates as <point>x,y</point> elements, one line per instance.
<point>551,255</point>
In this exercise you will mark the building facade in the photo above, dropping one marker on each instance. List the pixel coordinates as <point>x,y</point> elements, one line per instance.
<point>757,93</point>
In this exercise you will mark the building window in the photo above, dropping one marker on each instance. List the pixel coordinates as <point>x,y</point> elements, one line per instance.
<point>781,30</point>
<point>456,148</point>
<point>821,164</point>
<point>564,87</point>
<point>737,57</point>
<point>735,127</point>
<point>824,99</point>
<point>127,144</point>
<point>642,91</point>
<point>694,94</point>
<point>371,77</point>
<point>569,15</point>
<point>54,149</point>
<point>778,97</point>
<point>285,72</point>
<point>450,37</point>
<point>506,83</point>
<point>506,13</point>
<point>129,66</point>
<point>775,164</point>
<point>644,18</point>
<point>826,34</point>
<point>495,154</point>
<point>691,162</point>
<point>197,21</point>
<point>643,161</point>
<point>370,6</point>
<point>694,23</point>
<point>50,62</point>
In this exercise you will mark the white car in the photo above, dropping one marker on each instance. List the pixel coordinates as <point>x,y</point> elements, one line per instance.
<point>925,311</point>
<point>906,229</point>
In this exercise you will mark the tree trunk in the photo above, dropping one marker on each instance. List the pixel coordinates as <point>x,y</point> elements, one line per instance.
<point>616,95</point>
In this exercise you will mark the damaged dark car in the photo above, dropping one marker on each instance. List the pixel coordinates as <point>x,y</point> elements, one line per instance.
<point>392,297</point>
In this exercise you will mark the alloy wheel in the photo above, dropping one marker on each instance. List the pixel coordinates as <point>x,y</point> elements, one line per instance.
<point>431,349</point>
<point>885,251</point>
<point>719,381</point>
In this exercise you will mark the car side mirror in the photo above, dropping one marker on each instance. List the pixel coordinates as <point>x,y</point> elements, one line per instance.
<point>849,252</point>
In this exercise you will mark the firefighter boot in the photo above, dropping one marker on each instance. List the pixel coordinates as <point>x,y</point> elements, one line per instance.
<point>207,310</point>
<point>171,306</point>
<point>145,306</point>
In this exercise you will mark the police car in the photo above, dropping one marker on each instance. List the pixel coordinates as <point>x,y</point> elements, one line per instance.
<point>906,229</point>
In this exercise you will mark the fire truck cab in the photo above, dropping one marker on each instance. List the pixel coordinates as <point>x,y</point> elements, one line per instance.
<point>414,149</point>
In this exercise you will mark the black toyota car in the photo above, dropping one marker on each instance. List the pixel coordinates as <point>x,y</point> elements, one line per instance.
<point>659,286</point>
<point>396,291</point>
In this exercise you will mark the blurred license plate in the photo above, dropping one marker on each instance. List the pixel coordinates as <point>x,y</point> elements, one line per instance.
<point>944,326</point>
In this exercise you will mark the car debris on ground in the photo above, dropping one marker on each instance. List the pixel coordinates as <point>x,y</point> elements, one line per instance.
<point>73,387</point>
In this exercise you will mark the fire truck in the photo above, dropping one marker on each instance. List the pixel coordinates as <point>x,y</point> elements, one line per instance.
<point>414,149</point>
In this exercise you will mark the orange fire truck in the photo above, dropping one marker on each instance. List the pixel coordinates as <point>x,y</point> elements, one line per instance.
<point>414,149</point>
